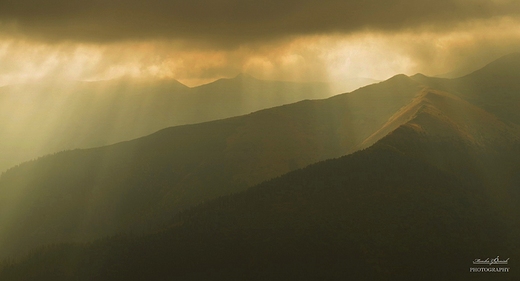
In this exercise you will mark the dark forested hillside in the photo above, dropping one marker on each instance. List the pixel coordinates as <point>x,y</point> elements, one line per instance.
<point>137,185</point>
<point>378,214</point>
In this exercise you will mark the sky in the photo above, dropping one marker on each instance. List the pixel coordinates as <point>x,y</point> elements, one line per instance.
<point>196,41</point>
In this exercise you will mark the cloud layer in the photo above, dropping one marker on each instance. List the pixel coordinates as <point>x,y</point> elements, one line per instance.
<point>228,23</point>
<point>198,41</point>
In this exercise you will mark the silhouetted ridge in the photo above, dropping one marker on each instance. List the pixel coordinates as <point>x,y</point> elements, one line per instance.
<point>398,79</point>
<point>378,214</point>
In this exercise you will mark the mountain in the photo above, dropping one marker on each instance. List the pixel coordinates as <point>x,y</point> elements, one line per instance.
<point>47,117</point>
<point>438,181</point>
<point>138,185</point>
<point>494,87</point>
<point>416,205</point>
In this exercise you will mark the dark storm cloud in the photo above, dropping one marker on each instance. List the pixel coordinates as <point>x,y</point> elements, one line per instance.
<point>232,22</point>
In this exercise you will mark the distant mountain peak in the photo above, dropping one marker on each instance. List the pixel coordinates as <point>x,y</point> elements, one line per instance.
<point>419,76</point>
<point>399,79</point>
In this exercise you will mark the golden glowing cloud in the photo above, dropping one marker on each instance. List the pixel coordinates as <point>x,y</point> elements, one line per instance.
<point>283,40</point>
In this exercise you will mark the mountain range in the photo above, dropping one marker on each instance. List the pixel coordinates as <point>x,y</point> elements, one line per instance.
<point>425,181</point>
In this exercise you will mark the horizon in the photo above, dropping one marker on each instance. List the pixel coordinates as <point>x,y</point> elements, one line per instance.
<point>456,73</point>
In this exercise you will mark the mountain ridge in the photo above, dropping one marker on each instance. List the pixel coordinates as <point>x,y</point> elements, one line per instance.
<point>156,176</point>
<point>384,212</point>
<point>493,88</point>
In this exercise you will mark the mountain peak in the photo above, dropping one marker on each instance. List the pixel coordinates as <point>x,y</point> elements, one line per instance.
<point>418,76</point>
<point>398,80</point>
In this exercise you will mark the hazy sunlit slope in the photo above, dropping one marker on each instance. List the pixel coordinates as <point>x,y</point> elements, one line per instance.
<point>417,198</point>
<point>46,117</point>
